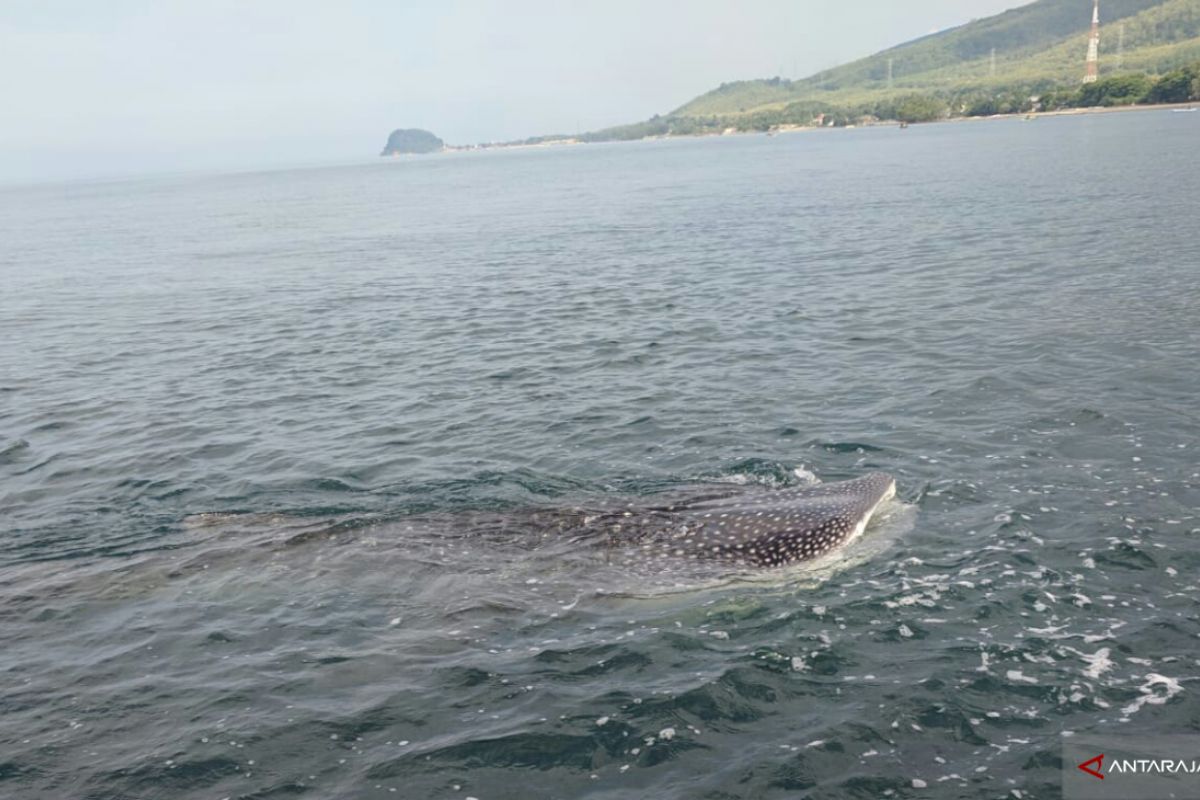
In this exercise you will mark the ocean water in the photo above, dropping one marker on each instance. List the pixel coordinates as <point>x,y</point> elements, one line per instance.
<point>288,459</point>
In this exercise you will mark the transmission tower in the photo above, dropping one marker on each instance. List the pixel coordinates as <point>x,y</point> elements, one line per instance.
<point>1093,56</point>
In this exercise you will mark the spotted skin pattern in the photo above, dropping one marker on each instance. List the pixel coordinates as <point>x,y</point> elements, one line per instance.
<point>767,529</point>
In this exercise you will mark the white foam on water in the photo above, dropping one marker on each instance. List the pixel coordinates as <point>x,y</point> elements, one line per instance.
<point>1156,691</point>
<point>1098,662</point>
<point>805,476</point>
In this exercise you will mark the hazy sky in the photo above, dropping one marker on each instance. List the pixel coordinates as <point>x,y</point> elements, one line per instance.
<point>103,87</point>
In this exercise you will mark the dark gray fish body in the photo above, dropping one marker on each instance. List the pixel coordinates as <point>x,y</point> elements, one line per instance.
<point>766,528</point>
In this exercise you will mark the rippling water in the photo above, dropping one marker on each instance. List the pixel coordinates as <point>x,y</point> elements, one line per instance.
<point>287,461</point>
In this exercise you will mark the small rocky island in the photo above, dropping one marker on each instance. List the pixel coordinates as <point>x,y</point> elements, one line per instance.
<point>411,140</point>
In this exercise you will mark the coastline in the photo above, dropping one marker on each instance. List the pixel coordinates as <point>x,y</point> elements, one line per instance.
<point>782,129</point>
<point>1075,112</point>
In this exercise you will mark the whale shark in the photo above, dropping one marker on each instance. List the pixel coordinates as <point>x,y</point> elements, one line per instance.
<point>688,531</point>
<point>764,528</point>
<point>472,562</point>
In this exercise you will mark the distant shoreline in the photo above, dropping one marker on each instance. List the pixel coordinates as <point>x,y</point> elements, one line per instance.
<point>1073,112</point>
<point>891,123</point>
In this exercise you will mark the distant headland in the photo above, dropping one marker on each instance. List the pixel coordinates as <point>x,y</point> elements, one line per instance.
<point>412,140</point>
<point>406,141</point>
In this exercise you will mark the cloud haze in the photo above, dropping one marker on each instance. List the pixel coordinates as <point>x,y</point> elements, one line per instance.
<point>126,87</point>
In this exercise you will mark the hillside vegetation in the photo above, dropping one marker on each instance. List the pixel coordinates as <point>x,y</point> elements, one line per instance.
<point>1039,50</point>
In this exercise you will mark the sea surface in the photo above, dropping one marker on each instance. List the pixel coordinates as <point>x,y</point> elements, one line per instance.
<point>288,463</point>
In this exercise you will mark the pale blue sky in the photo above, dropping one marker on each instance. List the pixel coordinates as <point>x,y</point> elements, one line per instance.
<point>108,87</point>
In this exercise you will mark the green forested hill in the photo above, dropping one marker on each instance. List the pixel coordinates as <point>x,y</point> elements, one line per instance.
<point>1039,51</point>
<point>1036,45</point>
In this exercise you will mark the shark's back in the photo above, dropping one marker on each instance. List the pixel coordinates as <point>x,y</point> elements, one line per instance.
<point>770,528</point>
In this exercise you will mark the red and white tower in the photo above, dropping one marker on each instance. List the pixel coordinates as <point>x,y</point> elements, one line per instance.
<point>1093,59</point>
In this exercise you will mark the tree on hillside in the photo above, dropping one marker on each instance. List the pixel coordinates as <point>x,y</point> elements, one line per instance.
<point>920,108</point>
<point>1119,90</point>
<point>982,107</point>
<point>1055,99</point>
<point>1175,86</point>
